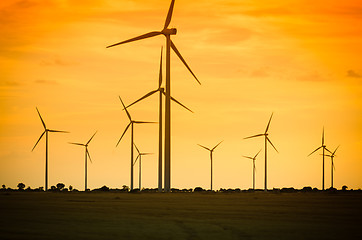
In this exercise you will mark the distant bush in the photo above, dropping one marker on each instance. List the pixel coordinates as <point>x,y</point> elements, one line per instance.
<point>198,189</point>
<point>60,186</point>
<point>344,188</point>
<point>289,190</point>
<point>125,188</point>
<point>70,188</point>
<point>21,186</point>
<point>4,187</point>
<point>307,189</point>
<point>102,189</point>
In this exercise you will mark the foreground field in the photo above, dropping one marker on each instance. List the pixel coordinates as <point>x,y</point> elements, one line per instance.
<point>259,215</point>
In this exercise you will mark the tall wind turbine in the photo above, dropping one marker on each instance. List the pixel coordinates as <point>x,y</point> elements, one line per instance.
<point>324,147</point>
<point>46,131</point>
<point>332,155</point>
<point>254,169</point>
<point>161,90</point>
<point>140,154</point>
<point>211,151</point>
<point>265,134</point>
<point>86,155</point>
<point>167,32</point>
<point>131,123</point>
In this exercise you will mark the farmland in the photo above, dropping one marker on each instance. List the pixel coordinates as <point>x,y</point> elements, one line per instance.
<point>205,215</point>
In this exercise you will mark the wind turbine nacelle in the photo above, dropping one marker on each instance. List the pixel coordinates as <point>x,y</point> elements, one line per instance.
<point>169,31</point>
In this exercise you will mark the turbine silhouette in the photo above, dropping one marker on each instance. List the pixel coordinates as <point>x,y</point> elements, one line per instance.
<point>167,32</point>
<point>161,90</point>
<point>265,134</point>
<point>46,131</point>
<point>211,151</point>
<point>324,147</point>
<point>254,169</point>
<point>140,154</point>
<point>86,155</point>
<point>332,155</point>
<point>131,123</point>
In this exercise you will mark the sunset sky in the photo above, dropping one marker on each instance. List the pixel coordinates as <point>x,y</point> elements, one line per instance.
<point>300,59</point>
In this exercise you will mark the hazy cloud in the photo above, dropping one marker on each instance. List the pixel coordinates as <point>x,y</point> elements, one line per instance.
<point>353,74</point>
<point>43,81</point>
<point>56,62</point>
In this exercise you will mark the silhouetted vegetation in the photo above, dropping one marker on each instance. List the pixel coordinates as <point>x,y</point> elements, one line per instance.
<point>21,186</point>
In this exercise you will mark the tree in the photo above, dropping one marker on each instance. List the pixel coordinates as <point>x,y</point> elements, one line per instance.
<point>125,188</point>
<point>4,186</point>
<point>21,186</point>
<point>344,188</point>
<point>70,187</point>
<point>60,186</point>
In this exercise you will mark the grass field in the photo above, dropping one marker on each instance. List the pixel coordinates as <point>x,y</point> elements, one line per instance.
<point>250,215</point>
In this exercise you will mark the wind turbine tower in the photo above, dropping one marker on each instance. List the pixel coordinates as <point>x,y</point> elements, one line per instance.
<point>46,131</point>
<point>211,151</point>
<point>86,155</point>
<point>265,135</point>
<point>324,147</point>
<point>254,168</point>
<point>167,32</point>
<point>131,123</point>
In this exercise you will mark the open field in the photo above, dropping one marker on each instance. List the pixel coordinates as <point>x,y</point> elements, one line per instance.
<point>255,215</point>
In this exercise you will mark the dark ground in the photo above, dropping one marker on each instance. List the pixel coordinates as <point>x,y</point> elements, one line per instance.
<point>106,215</point>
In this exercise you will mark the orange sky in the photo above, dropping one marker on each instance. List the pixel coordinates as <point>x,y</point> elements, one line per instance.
<point>298,59</point>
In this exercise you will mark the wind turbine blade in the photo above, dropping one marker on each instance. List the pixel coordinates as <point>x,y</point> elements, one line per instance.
<point>136,148</point>
<point>258,135</point>
<point>315,151</point>
<point>88,155</point>
<point>91,138</point>
<point>136,159</point>
<point>173,99</point>
<point>183,60</point>
<point>248,157</point>
<point>267,127</point>
<point>123,133</point>
<point>217,145</point>
<point>271,144</point>
<point>323,137</point>
<point>204,147</point>
<point>38,140</point>
<point>160,74</point>
<point>80,144</point>
<point>257,153</point>
<point>143,122</point>
<point>42,121</point>
<point>169,15</point>
<point>145,96</point>
<point>57,131</point>
<point>146,153</point>
<point>124,107</point>
<point>335,150</point>
<point>328,150</point>
<point>147,35</point>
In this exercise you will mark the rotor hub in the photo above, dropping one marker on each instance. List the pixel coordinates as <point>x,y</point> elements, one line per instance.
<point>169,31</point>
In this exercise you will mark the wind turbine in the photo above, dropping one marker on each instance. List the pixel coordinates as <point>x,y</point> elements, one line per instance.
<point>254,169</point>
<point>46,131</point>
<point>324,147</point>
<point>161,90</point>
<point>131,122</point>
<point>86,155</point>
<point>332,163</point>
<point>167,32</point>
<point>265,134</point>
<point>140,154</point>
<point>211,151</point>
